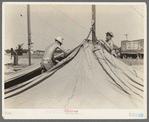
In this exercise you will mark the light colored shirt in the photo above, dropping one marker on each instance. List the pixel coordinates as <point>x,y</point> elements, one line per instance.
<point>110,44</point>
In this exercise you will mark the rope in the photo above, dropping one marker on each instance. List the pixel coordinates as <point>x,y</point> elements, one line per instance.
<point>26,28</point>
<point>70,19</point>
<point>55,28</point>
<point>137,11</point>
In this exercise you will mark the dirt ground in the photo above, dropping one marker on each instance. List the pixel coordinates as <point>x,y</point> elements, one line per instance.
<point>139,69</point>
<point>23,63</point>
<point>132,62</point>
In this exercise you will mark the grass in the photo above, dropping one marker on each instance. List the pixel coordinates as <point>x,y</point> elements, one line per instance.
<point>33,56</point>
<point>131,61</point>
<point>128,61</point>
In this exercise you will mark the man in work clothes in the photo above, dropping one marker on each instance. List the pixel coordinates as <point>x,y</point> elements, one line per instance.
<point>108,43</point>
<point>48,60</point>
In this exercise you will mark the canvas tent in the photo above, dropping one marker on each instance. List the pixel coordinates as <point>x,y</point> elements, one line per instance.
<point>89,78</point>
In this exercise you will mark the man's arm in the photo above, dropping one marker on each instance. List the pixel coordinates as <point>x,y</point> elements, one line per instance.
<point>110,44</point>
<point>107,46</point>
<point>63,50</point>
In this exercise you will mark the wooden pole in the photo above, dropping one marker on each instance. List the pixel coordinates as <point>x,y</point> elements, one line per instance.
<point>93,23</point>
<point>29,34</point>
<point>126,36</point>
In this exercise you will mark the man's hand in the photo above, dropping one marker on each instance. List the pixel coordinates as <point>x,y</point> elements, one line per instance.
<point>101,41</point>
<point>108,47</point>
<point>106,43</point>
<point>84,41</point>
<point>56,61</point>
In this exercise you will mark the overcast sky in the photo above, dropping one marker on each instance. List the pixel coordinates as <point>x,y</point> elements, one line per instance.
<point>72,22</point>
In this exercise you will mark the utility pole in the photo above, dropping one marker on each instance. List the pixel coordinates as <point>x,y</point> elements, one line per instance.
<point>93,23</point>
<point>29,33</point>
<point>126,36</point>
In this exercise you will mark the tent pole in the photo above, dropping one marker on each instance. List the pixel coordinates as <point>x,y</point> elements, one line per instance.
<point>93,23</point>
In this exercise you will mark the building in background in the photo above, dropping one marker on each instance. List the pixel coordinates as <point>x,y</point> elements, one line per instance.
<point>133,49</point>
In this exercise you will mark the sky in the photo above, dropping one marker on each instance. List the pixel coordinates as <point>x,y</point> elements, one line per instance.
<point>72,22</point>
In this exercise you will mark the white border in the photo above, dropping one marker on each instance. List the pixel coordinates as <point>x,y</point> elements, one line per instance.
<point>82,113</point>
<point>79,3</point>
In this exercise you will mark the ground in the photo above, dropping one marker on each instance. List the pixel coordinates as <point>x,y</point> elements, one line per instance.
<point>137,64</point>
<point>23,63</point>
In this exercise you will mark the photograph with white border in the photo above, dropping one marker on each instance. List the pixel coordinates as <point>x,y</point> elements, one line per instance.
<point>74,60</point>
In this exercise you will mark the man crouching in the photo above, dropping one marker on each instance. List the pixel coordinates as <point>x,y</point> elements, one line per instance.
<point>48,60</point>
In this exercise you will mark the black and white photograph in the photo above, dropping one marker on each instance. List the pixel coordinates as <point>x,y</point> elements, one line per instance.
<point>74,60</point>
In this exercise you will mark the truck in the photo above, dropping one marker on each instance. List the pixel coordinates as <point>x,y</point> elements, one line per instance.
<point>133,49</point>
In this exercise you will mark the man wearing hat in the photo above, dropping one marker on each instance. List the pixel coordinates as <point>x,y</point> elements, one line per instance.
<point>108,43</point>
<point>48,60</point>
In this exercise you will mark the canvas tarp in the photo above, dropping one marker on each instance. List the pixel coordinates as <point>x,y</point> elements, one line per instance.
<point>89,78</point>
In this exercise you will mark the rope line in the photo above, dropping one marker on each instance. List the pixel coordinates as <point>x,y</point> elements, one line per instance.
<point>26,28</point>
<point>137,11</point>
<point>56,29</point>
<point>70,19</point>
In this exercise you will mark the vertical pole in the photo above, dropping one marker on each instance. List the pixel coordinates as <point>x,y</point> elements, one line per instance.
<point>29,33</point>
<point>126,36</point>
<point>93,23</point>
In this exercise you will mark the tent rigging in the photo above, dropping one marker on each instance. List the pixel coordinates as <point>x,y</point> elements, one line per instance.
<point>137,11</point>
<point>71,19</point>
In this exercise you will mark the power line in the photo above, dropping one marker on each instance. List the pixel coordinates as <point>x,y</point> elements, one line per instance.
<point>32,34</point>
<point>137,11</point>
<point>48,24</point>
<point>56,28</point>
<point>70,19</point>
